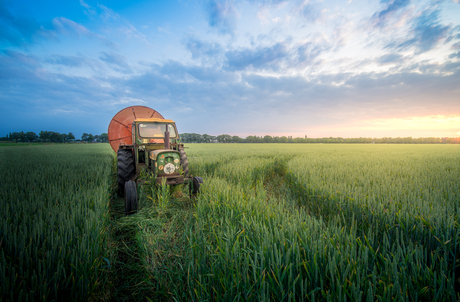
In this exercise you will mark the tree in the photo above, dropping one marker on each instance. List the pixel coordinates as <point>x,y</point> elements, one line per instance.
<point>224,138</point>
<point>208,138</point>
<point>252,139</point>
<point>14,136</point>
<point>191,138</point>
<point>236,139</point>
<point>63,137</point>
<point>268,139</point>
<point>90,138</point>
<point>84,137</point>
<point>44,135</point>
<point>31,136</point>
<point>22,136</point>
<point>70,136</point>
<point>104,138</point>
<point>196,138</point>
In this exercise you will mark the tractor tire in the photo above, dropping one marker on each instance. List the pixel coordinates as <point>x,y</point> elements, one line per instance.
<point>126,168</point>
<point>184,162</point>
<point>195,185</point>
<point>130,197</point>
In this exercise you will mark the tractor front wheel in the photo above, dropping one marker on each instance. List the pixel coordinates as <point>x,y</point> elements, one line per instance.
<point>130,197</point>
<point>195,185</point>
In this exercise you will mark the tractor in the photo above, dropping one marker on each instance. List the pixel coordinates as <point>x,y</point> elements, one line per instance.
<point>145,140</point>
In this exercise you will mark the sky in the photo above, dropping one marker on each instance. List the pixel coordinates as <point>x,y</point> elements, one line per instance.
<point>351,68</point>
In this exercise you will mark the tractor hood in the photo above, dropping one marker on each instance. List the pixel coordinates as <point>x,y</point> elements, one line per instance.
<point>154,154</point>
<point>167,162</point>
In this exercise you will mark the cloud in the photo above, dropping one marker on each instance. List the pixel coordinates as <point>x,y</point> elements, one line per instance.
<point>390,59</point>
<point>308,53</point>
<point>302,79</point>
<point>70,61</point>
<point>128,101</point>
<point>310,11</point>
<point>17,64</point>
<point>107,13</point>
<point>16,30</point>
<point>216,96</point>
<point>113,22</point>
<point>278,57</point>
<point>76,64</point>
<point>222,15</point>
<point>206,52</point>
<point>382,17</point>
<point>427,33</point>
<point>65,26</point>
<point>116,61</point>
<point>89,10</point>
<point>260,58</point>
<point>31,85</point>
<point>23,31</point>
<point>454,55</point>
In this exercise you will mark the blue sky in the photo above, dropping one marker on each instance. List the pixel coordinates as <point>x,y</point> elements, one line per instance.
<point>354,68</point>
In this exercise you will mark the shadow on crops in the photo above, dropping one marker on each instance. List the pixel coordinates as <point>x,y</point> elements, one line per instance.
<point>382,221</point>
<point>381,226</point>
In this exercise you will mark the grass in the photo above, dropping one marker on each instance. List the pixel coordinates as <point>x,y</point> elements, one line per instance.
<point>325,223</point>
<point>151,247</point>
<point>53,222</point>
<point>272,223</point>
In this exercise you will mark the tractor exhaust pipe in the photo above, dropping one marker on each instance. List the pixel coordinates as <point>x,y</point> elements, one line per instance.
<point>167,137</point>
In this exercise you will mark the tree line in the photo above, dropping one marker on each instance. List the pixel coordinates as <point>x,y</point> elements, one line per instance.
<point>226,138</point>
<point>56,137</point>
<point>53,137</point>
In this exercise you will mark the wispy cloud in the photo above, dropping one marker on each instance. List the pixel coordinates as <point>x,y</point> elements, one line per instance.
<point>206,52</point>
<point>16,30</point>
<point>222,15</point>
<point>69,61</point>
<point>426,33</point>
<point>89,10</point>
<point>392,7</point>
<point>116,61</point>
<point>310,11</point>
<point>264,57</point>
<point>390,58</point>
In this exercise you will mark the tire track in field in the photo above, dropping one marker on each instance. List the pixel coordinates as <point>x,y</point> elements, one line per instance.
<point>150,247</point>
<point>275,178</point>
<point>127,277</point>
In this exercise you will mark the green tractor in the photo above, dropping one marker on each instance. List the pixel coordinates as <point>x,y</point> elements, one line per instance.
<point>144,140</point>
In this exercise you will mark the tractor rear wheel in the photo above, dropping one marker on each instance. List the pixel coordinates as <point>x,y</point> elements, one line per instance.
<point>126,168</point>
<point>184,162</point>
<point>130,197</point>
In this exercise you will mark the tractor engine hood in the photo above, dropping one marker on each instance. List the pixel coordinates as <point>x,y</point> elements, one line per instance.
<point>155,153</point>
<point>167,162</point>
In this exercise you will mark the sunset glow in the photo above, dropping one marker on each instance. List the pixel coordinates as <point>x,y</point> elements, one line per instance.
<point>437,125</point>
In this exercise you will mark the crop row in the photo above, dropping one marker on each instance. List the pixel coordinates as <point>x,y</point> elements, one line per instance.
<point>332,223</point>
<point>54,207</point>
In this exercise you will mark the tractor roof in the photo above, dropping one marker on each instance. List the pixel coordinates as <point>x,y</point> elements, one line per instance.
<point>160,120</point>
